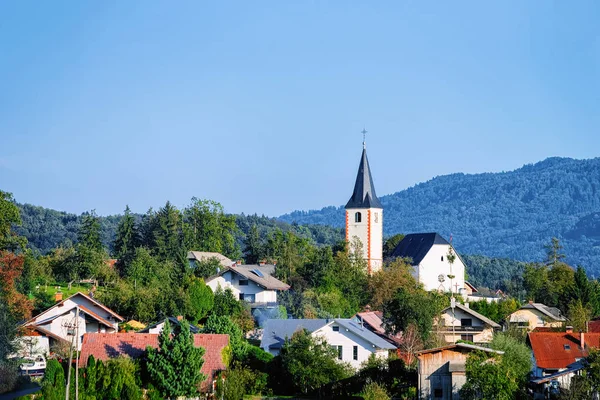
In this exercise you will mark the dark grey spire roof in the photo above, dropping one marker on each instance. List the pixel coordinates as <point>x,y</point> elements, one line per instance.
<point>364,191</point>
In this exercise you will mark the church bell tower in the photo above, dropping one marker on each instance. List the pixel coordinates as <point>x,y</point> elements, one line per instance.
<point>364,216</point>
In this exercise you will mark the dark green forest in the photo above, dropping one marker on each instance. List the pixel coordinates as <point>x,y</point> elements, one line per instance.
<point>506,215</point>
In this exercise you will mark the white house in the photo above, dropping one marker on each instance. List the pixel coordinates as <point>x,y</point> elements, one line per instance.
<point>157,327</point>
<point>76,315</point>
<point>428,253</point>
<point>354,343</point>
<point>462,323</point>
<point>251,283</point>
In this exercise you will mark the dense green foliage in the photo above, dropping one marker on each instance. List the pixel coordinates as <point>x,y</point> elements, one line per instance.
<point>494,376</point>
<point>508,214</point>
<point>175,366</point>
<point>53,383</point>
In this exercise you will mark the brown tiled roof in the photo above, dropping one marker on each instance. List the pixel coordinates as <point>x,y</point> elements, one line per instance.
<point>96,316</point>
<point>110,345</point>
<point>555,350</point>
<point>594,326</point>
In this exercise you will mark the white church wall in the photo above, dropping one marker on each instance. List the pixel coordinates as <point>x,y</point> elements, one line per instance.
<point>434,264</point>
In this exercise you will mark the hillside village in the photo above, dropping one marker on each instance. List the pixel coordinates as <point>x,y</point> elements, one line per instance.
<point>178,311</point>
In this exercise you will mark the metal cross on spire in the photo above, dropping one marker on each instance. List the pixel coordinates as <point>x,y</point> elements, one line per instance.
<point>364,132</point>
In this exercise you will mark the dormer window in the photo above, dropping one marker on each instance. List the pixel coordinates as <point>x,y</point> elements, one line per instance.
<point>357,217</point>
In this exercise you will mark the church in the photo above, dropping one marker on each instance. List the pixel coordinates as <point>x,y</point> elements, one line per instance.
<point>435,263</point>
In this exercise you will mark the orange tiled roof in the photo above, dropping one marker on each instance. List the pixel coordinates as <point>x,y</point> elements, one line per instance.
<point>555,350</point>
<point>594,326</point>
<point>104,346</point>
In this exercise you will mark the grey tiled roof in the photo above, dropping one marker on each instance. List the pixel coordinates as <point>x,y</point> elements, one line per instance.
<point>277,330</point>
<point>551,312</point>
<point>364,191</point>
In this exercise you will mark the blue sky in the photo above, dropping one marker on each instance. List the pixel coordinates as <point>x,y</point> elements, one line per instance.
<point>259,105</point>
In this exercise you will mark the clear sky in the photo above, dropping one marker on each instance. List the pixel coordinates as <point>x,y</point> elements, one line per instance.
<point>259,104</point>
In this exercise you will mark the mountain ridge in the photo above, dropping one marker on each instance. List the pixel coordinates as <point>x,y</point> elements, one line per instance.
<point>500,214</point>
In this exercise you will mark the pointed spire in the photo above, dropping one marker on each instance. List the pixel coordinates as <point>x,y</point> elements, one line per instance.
<point>364,191</point>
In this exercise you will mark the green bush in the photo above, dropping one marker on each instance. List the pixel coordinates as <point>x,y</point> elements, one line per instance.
<point>374,391</point>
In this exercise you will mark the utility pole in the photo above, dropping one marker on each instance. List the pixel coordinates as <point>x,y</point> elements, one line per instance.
<point>77,353</point>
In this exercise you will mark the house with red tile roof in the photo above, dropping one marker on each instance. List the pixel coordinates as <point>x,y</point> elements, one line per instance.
<point>105,346</point>
<point>556,355</point>
<point>66,322</point>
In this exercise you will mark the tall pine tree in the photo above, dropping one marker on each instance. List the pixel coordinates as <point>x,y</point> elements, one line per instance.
<point>126,241</point>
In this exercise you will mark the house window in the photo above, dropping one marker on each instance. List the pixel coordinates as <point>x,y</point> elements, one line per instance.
<point>243,282</point>
<point>357,217</point>
<point>355,353</point>
<point>241,296</point>
<point>567,347</point>
<point>339,349</point>
<point>438,393</point>
<point>466,338</point>
<point>466,322</point>
<point>442,258</point>
<point>335,328</point>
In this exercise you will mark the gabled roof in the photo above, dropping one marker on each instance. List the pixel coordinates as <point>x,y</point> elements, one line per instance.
<point>277,330</point>
<point>61,303</point>
<point>253,273</point>
<point>104,346</point>
<point>45,332</point>
<point>550,312</point>
<point>417,245</point>
<point>465,346</point>
<point>556,350</point>
<point>207,255</point>
<point>374,320</point>
<point>364,191</point>
<point>173,322</point>
<point>364,333</point>
<point>474,314</point>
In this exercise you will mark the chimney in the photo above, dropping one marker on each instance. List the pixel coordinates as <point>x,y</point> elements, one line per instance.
<point>262,262</point>
<point>180,318</point>
<point>238,262</point>
<point>582,340</point>
<point>58,296</point>
<point>530,301</point>
<point>466,305</point>
<point>569,329</point>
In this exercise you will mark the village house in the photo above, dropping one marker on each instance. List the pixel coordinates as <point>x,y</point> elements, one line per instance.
<point>534,315</point>
<point>432,268</point>
<point>66,322</point>
<point>251,283</point>
<point>441,371</point>
<point>354,342</point>
<point>556,355</point>
<point>105,346</point>
<point>462,323</point>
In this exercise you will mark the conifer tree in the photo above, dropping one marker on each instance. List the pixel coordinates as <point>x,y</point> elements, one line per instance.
<point>126,241</point>
<point>53,383</point>
<point>175,366</point>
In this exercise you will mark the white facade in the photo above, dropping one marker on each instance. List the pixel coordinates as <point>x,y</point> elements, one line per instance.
<point>354,349</point>
<point>61,321</point>
<point>248,290</point>
<point>435,265</point>
<point>366,224</point>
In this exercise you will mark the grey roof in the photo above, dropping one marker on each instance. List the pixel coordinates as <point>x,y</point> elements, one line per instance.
<point>277,330</point>
<point>417,245</point>
<point>365,333</point>
<point>551,312</point>
<point>476,315</point>
<point>207,255</point>
<point>364,191</point>
<point>253,273</point>
<point>462,346</point>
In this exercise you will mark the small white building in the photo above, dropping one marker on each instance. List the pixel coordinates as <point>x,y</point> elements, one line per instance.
<point>157,327</point>
<point>354,343</point>
<point>251,283</point>
<point>462,323</point>
<point>76,315</point>
<point>428,253</point>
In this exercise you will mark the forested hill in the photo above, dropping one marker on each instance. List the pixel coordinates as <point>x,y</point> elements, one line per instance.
<point>46,229</point>
<point>508,214</point>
